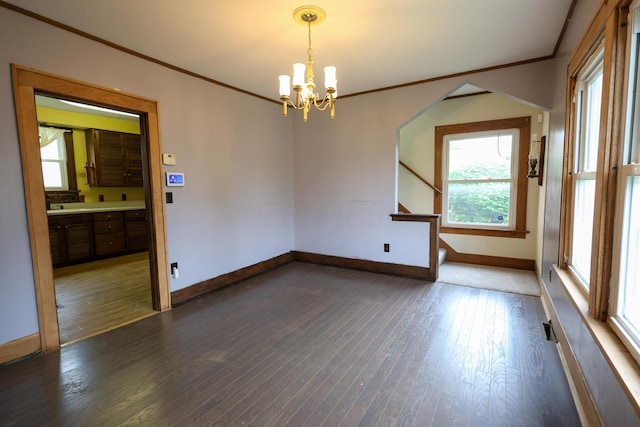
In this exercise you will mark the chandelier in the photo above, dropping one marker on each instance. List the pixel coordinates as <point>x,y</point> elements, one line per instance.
<point>305,95</point>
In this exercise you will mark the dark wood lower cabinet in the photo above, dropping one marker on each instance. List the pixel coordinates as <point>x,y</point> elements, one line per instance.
<point>136,230</point>
<point>71,238</point>
<point>109,229</point>
<point>78,238</point>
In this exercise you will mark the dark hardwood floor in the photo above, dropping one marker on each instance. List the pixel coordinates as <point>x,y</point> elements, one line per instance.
<point>307,345</point>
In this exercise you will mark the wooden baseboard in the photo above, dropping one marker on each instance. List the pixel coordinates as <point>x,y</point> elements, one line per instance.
<point>493,261</point>
<point>414,272</point>
<point>19,348</point>
<point>582,397</point>
<point>183,295</point>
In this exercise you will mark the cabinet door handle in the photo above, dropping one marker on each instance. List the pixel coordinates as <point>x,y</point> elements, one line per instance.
<point>109,227</point>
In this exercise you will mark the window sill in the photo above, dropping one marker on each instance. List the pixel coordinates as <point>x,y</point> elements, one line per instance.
<point>622,363</point>
<point>518,234</point>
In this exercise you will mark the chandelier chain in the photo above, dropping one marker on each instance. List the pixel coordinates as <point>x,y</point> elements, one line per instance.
<point>309,50</point>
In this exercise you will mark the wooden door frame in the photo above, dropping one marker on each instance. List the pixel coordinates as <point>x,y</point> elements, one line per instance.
<point>26,82</point>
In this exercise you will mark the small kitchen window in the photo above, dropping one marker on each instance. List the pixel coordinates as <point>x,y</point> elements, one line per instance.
<point>56,154</point>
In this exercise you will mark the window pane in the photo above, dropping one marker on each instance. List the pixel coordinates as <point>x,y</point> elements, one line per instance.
<point>593,123</point>
<point>479,203</point>
<point>50,151</point>
<point>52,174</point>
<point>480,158</point>
<point>583,228</point>
<point>631,152</point>
<point>630,254</point>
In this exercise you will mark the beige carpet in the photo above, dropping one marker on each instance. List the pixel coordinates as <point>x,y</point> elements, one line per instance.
<point>494,278</point>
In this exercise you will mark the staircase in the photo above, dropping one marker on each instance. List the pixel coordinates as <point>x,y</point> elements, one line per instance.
<point>442,256</point>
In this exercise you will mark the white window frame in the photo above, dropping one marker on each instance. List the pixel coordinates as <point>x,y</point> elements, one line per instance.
<point>513,190</point>
<point>629,167</point>
<point>583,170</point>
<point>62,162</point>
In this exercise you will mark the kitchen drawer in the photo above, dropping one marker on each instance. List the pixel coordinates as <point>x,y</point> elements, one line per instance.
<point>107,244</point>
<point>106,227</point>
<point>138,214</point>
<point>70,219</point>
<point>108,216</point>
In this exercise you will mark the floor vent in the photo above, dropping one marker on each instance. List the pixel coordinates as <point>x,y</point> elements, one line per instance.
<point>551,334</point>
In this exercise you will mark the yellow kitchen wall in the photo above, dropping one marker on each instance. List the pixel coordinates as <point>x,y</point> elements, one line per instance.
<point>79,122</point>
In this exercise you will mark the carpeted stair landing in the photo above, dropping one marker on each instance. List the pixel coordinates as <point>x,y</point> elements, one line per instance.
<point>495,278</point>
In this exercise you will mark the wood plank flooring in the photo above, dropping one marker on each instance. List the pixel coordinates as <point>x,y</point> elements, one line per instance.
<point>307,345</point>
<point>98,296</point>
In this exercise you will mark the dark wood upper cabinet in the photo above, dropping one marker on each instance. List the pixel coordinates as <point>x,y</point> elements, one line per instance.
<point>116,157</point>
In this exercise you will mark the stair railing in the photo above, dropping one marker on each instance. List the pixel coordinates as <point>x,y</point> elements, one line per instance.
<point>420,177</point>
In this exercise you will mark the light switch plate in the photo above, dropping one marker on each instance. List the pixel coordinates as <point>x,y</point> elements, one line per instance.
<point>168,159</point>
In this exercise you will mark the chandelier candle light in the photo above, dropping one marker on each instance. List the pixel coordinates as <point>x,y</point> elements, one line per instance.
<point>304,91</point>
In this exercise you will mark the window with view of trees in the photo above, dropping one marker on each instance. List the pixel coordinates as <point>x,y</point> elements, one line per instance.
<point>599,230</point>
<point>479,180</point>
<point>625,281</point>
<point>588,103</point>
<point>477,168</point>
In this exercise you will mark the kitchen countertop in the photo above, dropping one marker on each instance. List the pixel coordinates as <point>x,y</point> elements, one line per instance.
<point>79,208</point>
<point>70,211</point>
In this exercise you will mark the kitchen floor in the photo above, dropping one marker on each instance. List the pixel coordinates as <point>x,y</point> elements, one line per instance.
<point>99,296</point>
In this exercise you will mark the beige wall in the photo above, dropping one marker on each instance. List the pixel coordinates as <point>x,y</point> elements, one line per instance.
<point>345,169</point>
<point>416,148</point>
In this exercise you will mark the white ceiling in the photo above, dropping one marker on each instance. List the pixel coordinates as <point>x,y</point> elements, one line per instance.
<point>373,43</point>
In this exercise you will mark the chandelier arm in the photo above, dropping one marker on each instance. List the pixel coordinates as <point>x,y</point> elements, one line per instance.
<point>322,105</point>
<point>294,106</point>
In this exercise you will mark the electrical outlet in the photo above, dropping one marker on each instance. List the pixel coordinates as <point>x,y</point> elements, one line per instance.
<point>174,270</point>
<point>386,247</point>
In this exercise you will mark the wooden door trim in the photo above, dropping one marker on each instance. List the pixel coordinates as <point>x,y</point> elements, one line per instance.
<point>26,82</point>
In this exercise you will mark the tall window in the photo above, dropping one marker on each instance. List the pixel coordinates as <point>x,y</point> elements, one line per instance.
<point>625,289</point>
<point>54,159</point>
<point>481,169</point>
<point>588,102</point>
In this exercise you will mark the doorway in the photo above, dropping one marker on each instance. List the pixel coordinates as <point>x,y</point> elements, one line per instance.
<point>27,82</point>
<point>97,230</point>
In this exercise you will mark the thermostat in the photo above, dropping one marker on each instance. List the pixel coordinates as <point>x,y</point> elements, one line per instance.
<point>174,179</point>
<point>168,159</point>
